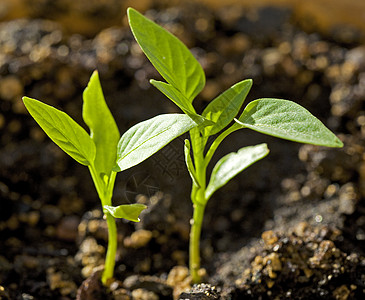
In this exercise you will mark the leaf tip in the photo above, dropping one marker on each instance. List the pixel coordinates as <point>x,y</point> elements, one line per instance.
<point>338,143</point>
<point>130,12</point>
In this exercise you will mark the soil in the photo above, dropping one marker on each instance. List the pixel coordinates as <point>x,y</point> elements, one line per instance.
<point>290,227</point>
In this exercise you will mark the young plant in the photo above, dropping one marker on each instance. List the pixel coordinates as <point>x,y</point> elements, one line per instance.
<point>104,152</point>
<point>185,78</point>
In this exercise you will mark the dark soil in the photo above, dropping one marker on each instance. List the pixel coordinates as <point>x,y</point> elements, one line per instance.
<point>290,227</point>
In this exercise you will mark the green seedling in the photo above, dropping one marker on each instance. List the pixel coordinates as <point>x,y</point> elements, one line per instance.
<point>185,78</point>
<point>104,152</point>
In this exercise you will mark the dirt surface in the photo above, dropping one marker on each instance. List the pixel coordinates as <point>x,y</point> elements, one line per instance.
<point>290,227</point>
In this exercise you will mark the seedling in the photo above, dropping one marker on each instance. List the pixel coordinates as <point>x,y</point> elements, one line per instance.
<point>104,152</point>
<point>185,79</point>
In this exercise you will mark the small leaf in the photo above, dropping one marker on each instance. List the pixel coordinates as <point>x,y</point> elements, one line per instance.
<point>63,130</point>
<point>226,106</point>
<point>232,164</point>
<point>168,54</point>
<point>189,163</point>
<point>287,120</point>
<point>146,138</point>
<point>129,212</point>
<point>175,96</point>
<point>103,129</point>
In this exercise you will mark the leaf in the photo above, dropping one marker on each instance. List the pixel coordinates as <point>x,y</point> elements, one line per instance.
<point>175,96</point>
<point>189,163</point>
<point>146,138</point>
<point>129,212</point>
<point>232,164</point>
<point>287,120</point>
<point>168,54</point>
<point>103,129</point>
<point>63,130</point>
<point>226,106</point>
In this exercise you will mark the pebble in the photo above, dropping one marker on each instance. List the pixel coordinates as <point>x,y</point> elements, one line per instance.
<point>151,284</point>
<point>202,291</point>
<point>121,294</point>
<point>269,237</point>
<point>142,294</point>
<point>138,239</point>
<point>179,279</point>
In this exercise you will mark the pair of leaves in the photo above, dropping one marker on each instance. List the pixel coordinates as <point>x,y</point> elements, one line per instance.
<point>276,117</point>
<point>98,149</point>
<point>101,150</point>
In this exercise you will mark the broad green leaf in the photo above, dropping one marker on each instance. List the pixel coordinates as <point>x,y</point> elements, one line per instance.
<point>146,138</point>
<point>129,212</point>
<point>63,130</point>
<point>175,96</point>
<point>189,162</point>
<point>232,164</point>
<point>168,54</point>
<point>287,120</point>
<point>226,106</point>
<point>103,129</point>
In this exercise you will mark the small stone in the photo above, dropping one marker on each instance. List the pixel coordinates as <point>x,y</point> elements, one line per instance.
<point>301,228</point>
<point>121,294</point>
<point>177,274</point>
<point>341,293</point>
<point>138,239</point>
<point>270,283</point>
<point>269,237</point>
<point>273,260</point>
<point>201,291</point>
<point>142,294</point>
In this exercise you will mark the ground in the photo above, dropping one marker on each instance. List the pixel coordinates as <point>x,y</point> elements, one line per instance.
<point>292,226</point>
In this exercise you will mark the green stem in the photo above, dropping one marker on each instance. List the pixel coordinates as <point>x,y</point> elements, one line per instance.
<point>197,197</point>
<point>112,249</point>
<point>219,140</point>
<point>105,192</point>
<point>194,247</point>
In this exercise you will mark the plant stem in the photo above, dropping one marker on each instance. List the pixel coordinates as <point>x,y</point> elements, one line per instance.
<point>105,192</point>
<point>194,247</point>
<point>198,199</point>
<point>112,249</point>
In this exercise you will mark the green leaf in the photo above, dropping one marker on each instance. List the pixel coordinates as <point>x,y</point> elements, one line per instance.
<point>232,164</point>
<point>129,212</point>
<point>226,106</point>
<point>189,163</point>
<point>146,138</point>
<point>103,129</point>
<point>168,54</point>
<point>287,120</point>
<point>63,130</point>
<point>175,96</point>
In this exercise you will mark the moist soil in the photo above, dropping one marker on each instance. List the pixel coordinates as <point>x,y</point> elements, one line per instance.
<point>289,227</point>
